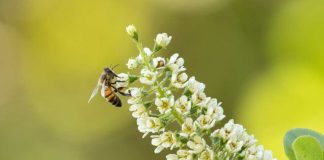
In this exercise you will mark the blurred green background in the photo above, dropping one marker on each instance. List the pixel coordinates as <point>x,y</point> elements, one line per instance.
<point>263,59</point>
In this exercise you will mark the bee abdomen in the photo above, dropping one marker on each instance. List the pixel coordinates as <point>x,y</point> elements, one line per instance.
<point>112,97</point>
<point>117,102</point>
<point>109,95</point>
<point>114,100</point>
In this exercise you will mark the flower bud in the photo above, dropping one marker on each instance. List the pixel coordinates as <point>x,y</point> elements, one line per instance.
<point>131,31</point>
<point>162,40</point>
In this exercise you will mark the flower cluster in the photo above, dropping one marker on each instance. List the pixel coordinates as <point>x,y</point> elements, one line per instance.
<point>167,95</point>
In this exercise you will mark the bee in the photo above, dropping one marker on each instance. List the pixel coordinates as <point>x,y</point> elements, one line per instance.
<point>107,80</point>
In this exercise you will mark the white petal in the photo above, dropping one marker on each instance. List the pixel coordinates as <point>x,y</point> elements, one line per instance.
<point>156,141</point>
<point>173,58</point>
<point>172,157</point>
<point>158,149</point>
<point>148,51</point>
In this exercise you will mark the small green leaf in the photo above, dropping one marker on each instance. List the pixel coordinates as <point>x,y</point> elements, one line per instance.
<point>156,47</point>
<point>187,93</point>
<point>193,110</point>
<point>307,148</point>
<point>147,105</point>
<point>293,134</point>
<point>135,36</point>
<point>132,78</point>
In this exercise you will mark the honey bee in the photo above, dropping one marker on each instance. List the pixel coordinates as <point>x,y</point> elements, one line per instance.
<point>107,80</point>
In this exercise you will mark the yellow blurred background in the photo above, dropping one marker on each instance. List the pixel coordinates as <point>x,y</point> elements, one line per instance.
<point>263,59</point>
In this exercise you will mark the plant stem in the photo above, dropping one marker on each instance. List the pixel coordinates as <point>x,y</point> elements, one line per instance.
<point>173,111</point>
<point>177,116</point>
<point>141,49</point>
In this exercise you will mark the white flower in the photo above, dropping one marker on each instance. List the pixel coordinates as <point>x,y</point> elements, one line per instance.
<point>183,105</point>
<point>122,80</point>
<point>165,140</point>
<point>148,77</point>
<point>165,92</point>
<point>184,155</point>
<point>172,157</point>
<point>149,125</point>
<point>140,59</point>
<point>136,95</point>
<point>135,92</point>
<point>249,140</point>
<point>163,40</point>
<point>232,131</point>
<point>197,144</point>
<point>213,103</point>
<point>179,80</point>
<point>207,154</point>
<point>234,145</point>
<point>235,136</point>
<point>148,51</point>
<point>237,132</point>
<point>175,60</point>
<point>215,110</point>
<point>176,64</point>
<point>205,122</point>
<point>194,86</point>
<point>199,99</point>
<point>229,125</point>
<point>138,110</point>
<point>254,153</point>
<point>158,62</point>
<point>131,31</point>
<point>181,155</point>
<point>187,128</point>
<point>267,155</point>
<point>132,63</point>
<point>164,104</point>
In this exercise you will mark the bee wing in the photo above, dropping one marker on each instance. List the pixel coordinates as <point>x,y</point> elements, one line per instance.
<point>94,93</point>
<point>103,89</point>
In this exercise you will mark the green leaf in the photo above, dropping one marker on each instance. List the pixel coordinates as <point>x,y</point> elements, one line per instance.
<point>293,134</point>
<point>307,148</point>
<point>187,93</point>
<point>132,78</point>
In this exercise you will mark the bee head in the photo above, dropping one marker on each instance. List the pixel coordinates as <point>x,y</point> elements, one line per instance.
<point>109,71</point>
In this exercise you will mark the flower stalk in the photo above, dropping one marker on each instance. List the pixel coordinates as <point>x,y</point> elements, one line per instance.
<point>157,103</point>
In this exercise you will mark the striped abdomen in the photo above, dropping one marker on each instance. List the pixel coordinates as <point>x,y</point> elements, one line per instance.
<point>112,97</point>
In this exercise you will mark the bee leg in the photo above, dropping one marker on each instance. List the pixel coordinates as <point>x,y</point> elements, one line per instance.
<point>115,89</point>
<point>119,91</point>
<point>116,82</point>
<point>123,93</point>
<point>115,75</point>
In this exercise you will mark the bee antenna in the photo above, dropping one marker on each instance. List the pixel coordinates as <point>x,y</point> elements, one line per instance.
<point>115,66</point>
